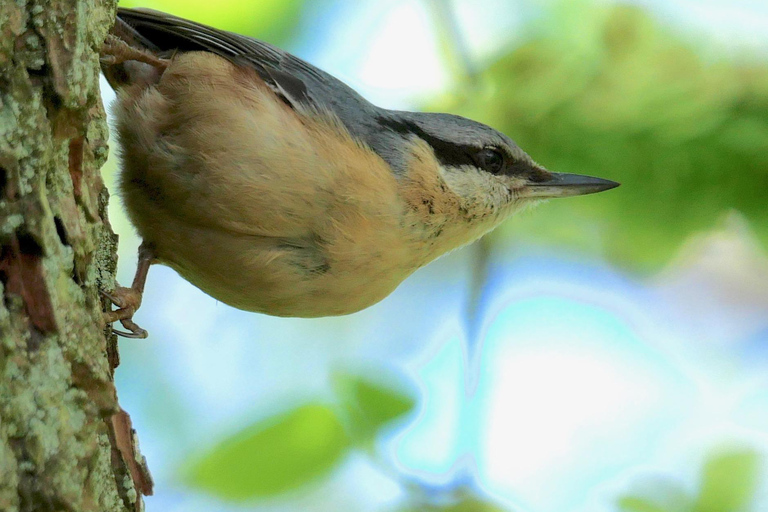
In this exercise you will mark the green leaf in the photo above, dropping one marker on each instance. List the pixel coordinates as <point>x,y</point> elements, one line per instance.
<point>471,505</point>
<point>272,456</point>
<point>466,504</point>
<point>729,482</point>
<point>269,20</point>
<point>638,504</point>
<point>659,495</point>
<point>370,405</point>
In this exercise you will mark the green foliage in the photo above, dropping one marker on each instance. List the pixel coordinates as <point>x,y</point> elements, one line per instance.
<point>729,482</point>
<point>472,505</point>
<point>269,20</point>
<point>661,501</point>
<point>291,450</point>
<point>370,406</point>
<point>464,500</point>
<point>635,504</point>
<point>273,456</point>
<point>608,91</point>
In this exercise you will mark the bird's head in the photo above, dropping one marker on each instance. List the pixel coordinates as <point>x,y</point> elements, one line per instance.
<point>489,176</point>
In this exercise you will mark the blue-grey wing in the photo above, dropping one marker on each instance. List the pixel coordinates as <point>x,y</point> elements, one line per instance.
<point>294,80</point>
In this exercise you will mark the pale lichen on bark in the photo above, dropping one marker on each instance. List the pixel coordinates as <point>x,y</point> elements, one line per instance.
<point>65,445</point>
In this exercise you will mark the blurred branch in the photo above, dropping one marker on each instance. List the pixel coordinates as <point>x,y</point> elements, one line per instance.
<point>457,55</point>
<point>453,44</point>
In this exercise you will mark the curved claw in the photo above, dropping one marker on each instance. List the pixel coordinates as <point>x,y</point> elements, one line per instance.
<point>116,51</point>
<point>114,299</point>
<point>128,301</point>
<point>142,334</point>
<point>135,330</point>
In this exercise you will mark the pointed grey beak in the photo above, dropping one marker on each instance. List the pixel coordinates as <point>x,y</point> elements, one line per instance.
<point>564,185</point>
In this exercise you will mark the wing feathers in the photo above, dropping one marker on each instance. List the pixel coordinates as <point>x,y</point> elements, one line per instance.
<point>274,66</point>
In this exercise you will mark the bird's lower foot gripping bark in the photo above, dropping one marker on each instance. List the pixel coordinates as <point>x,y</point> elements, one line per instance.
<point>128,300</point>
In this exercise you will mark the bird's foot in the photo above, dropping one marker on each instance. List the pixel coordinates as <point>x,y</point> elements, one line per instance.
<point>128,301</point>
<point>116,51</point>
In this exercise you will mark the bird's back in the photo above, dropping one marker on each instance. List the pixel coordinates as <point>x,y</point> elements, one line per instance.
<point>300,84</point>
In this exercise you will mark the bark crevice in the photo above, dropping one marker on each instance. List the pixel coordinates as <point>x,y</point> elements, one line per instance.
<point>65,444</point>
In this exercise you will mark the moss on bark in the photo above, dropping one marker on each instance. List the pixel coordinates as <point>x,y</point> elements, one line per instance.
<point>64,442</point>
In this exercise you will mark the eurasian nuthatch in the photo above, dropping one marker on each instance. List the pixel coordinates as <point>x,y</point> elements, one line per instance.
<point>274,187</point>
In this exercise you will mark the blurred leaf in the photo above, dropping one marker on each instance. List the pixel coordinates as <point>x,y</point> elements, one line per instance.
<point>638,504</point>
<point>658,495</point>
<point>472,505</point>
<point>729,482</point>
<point>273,456</point>
<point>268,20</point>
<point>609,91</point>
<point>468,504</point>
<point>371,405</point>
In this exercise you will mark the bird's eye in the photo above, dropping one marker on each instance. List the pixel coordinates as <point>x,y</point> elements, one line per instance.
<point>491,160</point>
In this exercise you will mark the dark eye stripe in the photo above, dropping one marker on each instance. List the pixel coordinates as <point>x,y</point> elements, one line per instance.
<point>447,153</point>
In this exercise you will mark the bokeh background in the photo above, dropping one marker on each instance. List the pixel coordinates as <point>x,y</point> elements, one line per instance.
<point>606,353</point>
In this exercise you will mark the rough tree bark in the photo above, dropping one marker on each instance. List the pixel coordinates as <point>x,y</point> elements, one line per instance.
<point>65,445</point>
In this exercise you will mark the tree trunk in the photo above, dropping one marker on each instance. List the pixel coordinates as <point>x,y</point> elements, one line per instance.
<point>65,445</point>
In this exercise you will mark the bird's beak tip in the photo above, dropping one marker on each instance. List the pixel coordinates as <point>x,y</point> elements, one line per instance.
<point>609,184</point>
<point>564,185</point>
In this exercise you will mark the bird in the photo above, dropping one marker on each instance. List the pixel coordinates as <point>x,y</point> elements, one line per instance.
<point>276,188</point>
